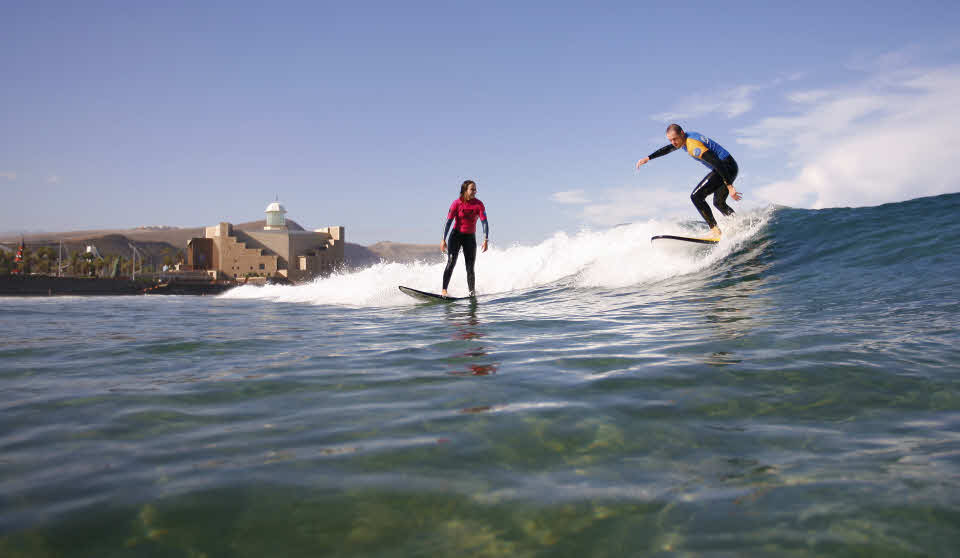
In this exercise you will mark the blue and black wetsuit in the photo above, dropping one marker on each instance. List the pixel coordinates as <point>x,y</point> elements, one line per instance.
<point>723,171</point>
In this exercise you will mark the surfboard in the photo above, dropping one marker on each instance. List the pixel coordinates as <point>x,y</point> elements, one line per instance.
<point>429,297</point>
<point>685,245</point>
<point>670,239</point>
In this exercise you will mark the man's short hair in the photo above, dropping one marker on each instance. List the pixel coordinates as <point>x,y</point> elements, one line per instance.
<point>675,128</point>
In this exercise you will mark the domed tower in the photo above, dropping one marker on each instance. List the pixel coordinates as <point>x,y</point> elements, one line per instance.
<point>275,217</point>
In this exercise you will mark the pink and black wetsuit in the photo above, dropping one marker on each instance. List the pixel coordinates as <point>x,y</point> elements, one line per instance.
<point>466,214</point>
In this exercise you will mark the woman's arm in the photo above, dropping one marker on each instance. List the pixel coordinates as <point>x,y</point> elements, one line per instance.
<point>486,232</point>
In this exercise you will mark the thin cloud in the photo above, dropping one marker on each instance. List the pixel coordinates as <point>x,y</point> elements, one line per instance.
<point>869,62</point>
<point>865,145</point>
<point>570,197</point>
<point>906,56</point>
<point>805,97</point>
<point>53,179</point>
<point>827,119</point>
<point>731,102</point>
<point>8,175</point>
<point>627,204</point>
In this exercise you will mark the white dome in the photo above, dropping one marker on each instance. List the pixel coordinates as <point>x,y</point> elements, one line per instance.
<point>275,220</point>
<point>275,207</point>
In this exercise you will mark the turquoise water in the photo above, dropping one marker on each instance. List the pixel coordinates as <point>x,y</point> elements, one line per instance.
<point>794,391</point>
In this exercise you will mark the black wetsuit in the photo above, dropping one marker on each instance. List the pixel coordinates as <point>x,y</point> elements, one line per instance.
<point>458,240</point>
<point>466,213</point>
<point>714,184</point>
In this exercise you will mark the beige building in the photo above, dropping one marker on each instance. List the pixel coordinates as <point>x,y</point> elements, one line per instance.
<point>277,250</point>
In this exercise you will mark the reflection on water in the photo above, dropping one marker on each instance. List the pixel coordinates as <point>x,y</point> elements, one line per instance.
<point>480,409</point>
<point>721,358</point>
<point>466,326</point>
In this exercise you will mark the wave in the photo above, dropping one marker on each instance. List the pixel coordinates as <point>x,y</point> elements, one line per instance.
<point>617,257</point>
<point>839,247</point>
<point>896,234</point>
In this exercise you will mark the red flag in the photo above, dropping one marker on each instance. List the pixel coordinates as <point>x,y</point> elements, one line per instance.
<point>18,260</point>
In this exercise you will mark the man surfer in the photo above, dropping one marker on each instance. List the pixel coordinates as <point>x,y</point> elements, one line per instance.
<point>466,210</point>
<point>719,182</point>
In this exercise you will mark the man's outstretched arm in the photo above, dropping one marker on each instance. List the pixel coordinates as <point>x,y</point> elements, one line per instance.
<point>658,153</point>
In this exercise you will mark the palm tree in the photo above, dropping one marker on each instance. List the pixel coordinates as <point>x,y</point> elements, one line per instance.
<point>45,258</point>
<point>6,262</point>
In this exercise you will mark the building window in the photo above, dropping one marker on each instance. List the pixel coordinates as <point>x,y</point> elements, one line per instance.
<point>261,266</point>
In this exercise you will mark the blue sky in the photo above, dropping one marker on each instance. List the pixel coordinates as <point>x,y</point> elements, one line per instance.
<point>370,114</point>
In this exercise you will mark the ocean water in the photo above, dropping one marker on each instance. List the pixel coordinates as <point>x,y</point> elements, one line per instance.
<point>794,391</point>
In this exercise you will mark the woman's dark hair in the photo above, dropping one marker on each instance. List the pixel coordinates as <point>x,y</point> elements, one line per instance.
<point>463,189</point>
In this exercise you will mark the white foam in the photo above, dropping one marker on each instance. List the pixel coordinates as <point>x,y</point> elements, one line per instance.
<point>617,257</point>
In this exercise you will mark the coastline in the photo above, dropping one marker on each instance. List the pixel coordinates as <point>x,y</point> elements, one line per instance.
<point>44,285</point>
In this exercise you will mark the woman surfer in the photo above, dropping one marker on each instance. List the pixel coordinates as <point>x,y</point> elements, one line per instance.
<point>465,210</point>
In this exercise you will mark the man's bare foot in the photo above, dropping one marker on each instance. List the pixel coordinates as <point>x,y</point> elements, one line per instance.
<point>715,233</point>
<point>444,292</point>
